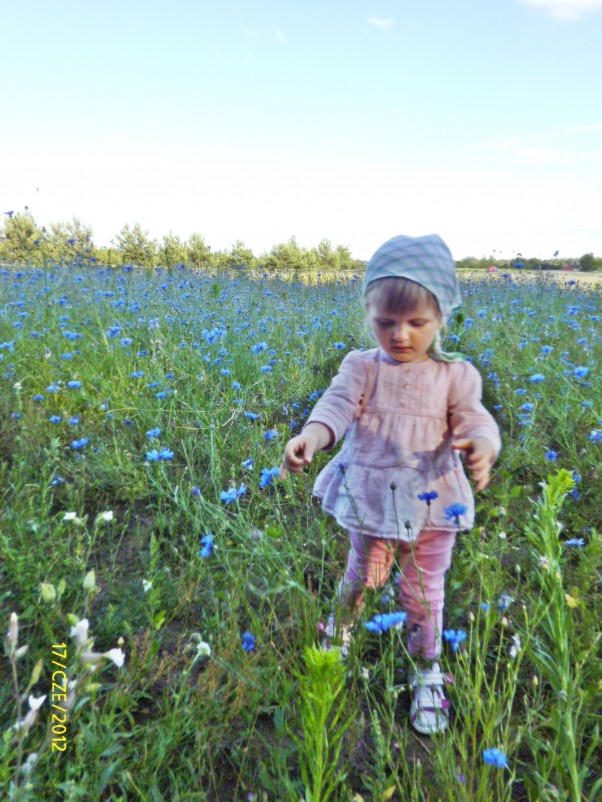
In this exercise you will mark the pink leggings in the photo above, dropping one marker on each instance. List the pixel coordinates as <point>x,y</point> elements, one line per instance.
<point>422,565</point>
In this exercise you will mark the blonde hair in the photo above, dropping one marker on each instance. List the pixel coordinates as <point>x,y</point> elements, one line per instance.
<point>400,296</point>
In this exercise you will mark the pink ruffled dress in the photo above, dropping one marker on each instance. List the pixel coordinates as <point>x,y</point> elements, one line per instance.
<point>399,421</point>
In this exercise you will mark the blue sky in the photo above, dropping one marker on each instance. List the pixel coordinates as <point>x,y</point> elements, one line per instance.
<point>351,120</point>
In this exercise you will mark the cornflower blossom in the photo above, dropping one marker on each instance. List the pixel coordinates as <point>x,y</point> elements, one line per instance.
<point>504,602</point>
<point>206,546</point>
<point>537,378</point>
<point>159,456</point>
<point>575,542</point>
<point>73,420</point>
<point>74,385</point>
<point>248,464</point>
<point>580,373</point>
<point>232,494</point>
<point>267,474</point>
<point>271,434</point>
<point>248,641</point>
<point>454,511</point>
<point>79,444</point>
<point>494,757</point>
<point>385,621</point>
<point>428,496</point>
<point>551,456</point>
<point>152,433</point>
<point>455,637</point>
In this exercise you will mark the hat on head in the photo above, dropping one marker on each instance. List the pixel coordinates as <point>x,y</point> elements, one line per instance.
<point>425,260</point>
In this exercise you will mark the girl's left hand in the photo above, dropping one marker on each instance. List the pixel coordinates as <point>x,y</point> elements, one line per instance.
<point>480,457</point>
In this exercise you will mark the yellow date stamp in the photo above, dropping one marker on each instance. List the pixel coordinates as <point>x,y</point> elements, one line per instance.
<point>59,694</point>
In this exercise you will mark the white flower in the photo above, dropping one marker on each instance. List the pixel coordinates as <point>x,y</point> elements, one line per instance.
<point>80,631</point>
<point>146,585</point>
<point>516,646</point>
<point>203,649</point>
<point>104,517</point>
<point>116,656</point>
<point>13,632</point>
<point>69,516</point>
<point>35,703</point>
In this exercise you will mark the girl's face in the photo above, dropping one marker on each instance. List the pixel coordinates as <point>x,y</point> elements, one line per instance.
<point>405,337</point>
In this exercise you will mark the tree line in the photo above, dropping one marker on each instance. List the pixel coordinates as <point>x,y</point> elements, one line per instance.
<point>23,241</point>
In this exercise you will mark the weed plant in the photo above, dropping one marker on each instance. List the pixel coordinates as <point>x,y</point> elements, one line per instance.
<point>143,416</point>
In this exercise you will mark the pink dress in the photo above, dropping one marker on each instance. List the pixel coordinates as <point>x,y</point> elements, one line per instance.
<point>398,421</point>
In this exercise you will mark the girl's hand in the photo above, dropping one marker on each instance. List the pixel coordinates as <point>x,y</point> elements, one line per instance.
<point>480,457</point>
<point>299,450</point>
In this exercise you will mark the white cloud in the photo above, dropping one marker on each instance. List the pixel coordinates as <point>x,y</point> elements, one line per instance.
<point>383,24</point>
<point>565,9</point>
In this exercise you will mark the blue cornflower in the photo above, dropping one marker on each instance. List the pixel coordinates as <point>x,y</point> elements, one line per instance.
<point>580,373</point>
<point>152,433</point>
<point>153,455</point>
<point>537,378</point>
<point>248,642</point>
<point>271,434</point>
<point>137,374</point>
<point>495,758</point>
<point>251,415</point>
<point>259,347</point>
<point>15,415</point>
<point>232,494</point>
<point>248,464</point>
<point>55,419</point>
<point>73,420</point>
<point>575,542</point>
<point>161,394</point>
<point>225,372</point>
<point>196,491</point>
<point>551,456</point>
<point>454,511</point>
<point>504,602</point>
<point>236,385</point>
<point>528,407</point>
<point>75,384</point>
<point>384,621</point>
<point>521,391</point>
<point>38,397</point>
<point>166,454</point>
<point>595,436</point>
<point>546,349</point>
<point>267,474</point>
<point>265,369</point>
<point>57,480</point>
<point>339,346</point>
<point>428,496</point>
<point>455,637</point>
<point>206,545</point>
<point>77,444</point>
<point>53,388</point>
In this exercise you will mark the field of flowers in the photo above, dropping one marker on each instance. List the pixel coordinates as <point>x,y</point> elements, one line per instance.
<point>161,588</point>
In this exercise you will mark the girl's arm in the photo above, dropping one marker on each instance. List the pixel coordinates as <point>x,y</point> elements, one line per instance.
<point>473,428</point>
<point>299,450</point>
<point>340,404</point>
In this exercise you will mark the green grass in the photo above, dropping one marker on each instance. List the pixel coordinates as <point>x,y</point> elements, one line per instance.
<point>192,716</point>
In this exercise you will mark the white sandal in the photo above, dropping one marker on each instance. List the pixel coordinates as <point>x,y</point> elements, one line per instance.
<point>429,711</point>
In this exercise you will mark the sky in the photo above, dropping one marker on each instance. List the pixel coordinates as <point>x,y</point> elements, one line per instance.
<point>347,120</point>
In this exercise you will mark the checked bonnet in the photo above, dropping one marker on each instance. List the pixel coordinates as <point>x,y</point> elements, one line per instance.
<point>426,260</point>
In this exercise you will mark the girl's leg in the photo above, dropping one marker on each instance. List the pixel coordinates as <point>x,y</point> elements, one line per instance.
<point>422,589</point>
<point>368,566</point>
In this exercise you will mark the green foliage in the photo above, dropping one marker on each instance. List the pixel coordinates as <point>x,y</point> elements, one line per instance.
<point>19,237</point>
<point>136,247</point>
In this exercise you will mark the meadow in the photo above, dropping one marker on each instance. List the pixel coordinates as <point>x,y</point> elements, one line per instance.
<point>162,589</point>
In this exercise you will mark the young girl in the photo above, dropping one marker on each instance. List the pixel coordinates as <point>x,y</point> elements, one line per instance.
<point>397,485</point>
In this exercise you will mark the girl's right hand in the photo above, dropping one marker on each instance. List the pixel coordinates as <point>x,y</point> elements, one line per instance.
<point>300,450</point>
<point>298,453</point>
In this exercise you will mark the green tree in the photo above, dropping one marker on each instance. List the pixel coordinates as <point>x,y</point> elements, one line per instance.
<point>241,256</point>
<point>21,238</point>
<point>587,262</point>
<point>198,253</point>
<point>70,241</point>
<point>287,256</point>
<point>136,247</point>
<point>173,251</point>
